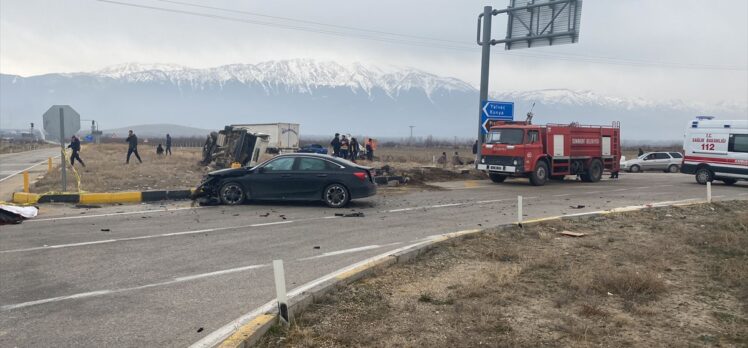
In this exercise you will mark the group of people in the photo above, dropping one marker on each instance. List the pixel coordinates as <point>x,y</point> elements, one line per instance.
<point>132,148</point>
<point>350,148</point>
<point>456,160</point>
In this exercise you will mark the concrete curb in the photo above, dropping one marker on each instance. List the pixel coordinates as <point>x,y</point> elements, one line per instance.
<point>101,197</point>
<point>250,333</point>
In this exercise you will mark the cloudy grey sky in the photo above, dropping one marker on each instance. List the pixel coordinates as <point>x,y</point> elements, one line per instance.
<point>700,47</point>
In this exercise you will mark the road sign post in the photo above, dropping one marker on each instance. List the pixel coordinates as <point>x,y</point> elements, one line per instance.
<point>62,152</point>
<point>532,23</point>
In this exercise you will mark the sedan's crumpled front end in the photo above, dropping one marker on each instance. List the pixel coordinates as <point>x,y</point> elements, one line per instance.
<point>206,193</point>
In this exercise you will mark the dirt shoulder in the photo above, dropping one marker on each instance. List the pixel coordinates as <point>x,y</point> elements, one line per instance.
<point>660,277</point>
<point>106,170</point>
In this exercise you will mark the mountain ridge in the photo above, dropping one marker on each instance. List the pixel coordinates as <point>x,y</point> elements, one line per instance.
<point>325,97</point>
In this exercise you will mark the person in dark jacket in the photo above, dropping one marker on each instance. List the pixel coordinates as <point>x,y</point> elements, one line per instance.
<point>641,152</point>
<point>335,143</point>
<point>475,147</point>
<point>168,144</point>
<point>159,150</point>
<point>354,149</point>
<point>132,146</point>
<point>370,150</point>
<point>75,145</point>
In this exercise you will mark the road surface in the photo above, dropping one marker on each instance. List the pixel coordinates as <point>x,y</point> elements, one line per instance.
<point>12,165</point>
<point>167,275</point>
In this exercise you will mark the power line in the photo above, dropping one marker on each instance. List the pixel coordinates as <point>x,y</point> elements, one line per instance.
<point>309,22</point>
<point>375,35</point>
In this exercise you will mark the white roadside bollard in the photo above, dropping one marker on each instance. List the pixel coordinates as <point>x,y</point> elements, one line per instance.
<point>280,291</point>
<point>708,192</point>
<point>519,210</point>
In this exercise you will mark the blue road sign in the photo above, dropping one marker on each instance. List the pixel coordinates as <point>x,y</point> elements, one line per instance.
<point>88,138</point>
<point>495,111</point>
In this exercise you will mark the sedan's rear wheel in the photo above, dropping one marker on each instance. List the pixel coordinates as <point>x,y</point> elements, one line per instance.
<point>673,168</point>
<point>336,196</point>
<point>232,193</point>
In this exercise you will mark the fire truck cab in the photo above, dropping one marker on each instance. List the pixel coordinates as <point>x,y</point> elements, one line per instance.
<point>552,151</point>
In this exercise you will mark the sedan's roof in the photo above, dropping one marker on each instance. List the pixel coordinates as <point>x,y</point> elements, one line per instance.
<point>326,157</point>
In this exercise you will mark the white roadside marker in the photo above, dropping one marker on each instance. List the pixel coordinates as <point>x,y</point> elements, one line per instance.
<point>280,291</point>
<point>708,192</point>
<point>519,210</point>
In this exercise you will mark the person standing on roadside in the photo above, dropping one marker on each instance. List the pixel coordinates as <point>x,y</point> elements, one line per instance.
<point>354,149</point>
<point>167,151</point>
<point>369,150</point>
<point>75,145</point>
<point>335,143</point>
<point>344,145</point>
<point>132,146</point>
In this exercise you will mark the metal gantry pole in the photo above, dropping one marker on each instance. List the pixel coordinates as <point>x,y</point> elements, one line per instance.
<point>484,68</point>
<point>62,152</point>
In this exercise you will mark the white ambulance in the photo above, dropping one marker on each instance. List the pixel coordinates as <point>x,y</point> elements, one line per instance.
<point>716,150</point>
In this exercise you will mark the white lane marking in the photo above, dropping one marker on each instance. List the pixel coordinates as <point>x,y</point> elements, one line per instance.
<point>447,205</point>
<point>112,214</point>
<point>114,291</point>
<point>619,190</point>
<point>491,201</point>
<point>22,170</point>
<point>161,235</point>
<point>348,251</point>
<point>272,223</point>
<point>403,209</point>
<point>563,195</point>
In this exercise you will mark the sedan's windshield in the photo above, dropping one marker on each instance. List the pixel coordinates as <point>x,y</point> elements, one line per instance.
<point>511,136</point>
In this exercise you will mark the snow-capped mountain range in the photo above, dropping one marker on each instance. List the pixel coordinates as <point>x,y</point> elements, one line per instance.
<point>325,97</point>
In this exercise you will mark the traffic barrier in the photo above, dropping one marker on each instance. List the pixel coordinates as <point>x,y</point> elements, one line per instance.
<point>101,197</point>
<point>26,181</point>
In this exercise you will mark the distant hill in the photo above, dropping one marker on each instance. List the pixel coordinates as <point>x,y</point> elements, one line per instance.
<point>158,130</point>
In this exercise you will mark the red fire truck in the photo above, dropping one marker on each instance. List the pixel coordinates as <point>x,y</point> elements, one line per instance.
<point>552,151</point>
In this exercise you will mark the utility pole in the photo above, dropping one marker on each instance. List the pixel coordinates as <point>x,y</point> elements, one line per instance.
<point>411,134</point>
<point>484,66</point>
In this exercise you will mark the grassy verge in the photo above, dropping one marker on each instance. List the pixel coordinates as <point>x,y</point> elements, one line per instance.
<point>661,277</point>
<point>106,170</point>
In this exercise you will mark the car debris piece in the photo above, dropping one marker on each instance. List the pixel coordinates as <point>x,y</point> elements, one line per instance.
<point>572,234</point>
<point>105,230</point>
<point>357,214</point>
<point>578,206</point>
<point>87,206</point>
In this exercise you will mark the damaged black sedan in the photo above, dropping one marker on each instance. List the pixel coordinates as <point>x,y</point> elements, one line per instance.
<point>289,177</point>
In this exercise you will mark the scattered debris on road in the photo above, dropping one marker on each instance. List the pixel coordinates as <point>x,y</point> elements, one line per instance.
<point>579,206</point>
<point>572,234</point>
<point>357,214</point>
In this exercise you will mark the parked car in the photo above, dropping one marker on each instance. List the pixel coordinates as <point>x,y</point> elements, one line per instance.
<point>313,148</point>
<point>290,177</point>
<point>668,162</point>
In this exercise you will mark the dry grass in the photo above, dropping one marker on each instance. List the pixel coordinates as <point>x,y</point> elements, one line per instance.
<point>660,277</point>
<point>106,170</point>
<point>6,147</point>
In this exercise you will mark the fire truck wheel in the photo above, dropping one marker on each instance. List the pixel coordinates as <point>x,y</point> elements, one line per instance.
<point>540,175</point>
<point>594,173</point>
<point>634,169</point>
<point>704,175</point>
<point>729,181</point>
<point>497,178</point>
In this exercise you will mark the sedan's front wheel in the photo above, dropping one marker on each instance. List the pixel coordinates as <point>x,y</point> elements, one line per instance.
<point>336,196</point>
<point>232,193</point>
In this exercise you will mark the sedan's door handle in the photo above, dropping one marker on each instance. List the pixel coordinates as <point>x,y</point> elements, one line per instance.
<point>322,175</point>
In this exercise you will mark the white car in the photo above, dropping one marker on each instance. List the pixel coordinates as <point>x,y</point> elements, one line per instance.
<point>668,162</point>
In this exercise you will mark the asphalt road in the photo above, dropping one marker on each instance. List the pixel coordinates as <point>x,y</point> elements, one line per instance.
<point>12,164</point>
<point>167,275</point>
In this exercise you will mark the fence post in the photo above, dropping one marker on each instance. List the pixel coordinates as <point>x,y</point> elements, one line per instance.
<point>708,192</point>
<point>49,165</point>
